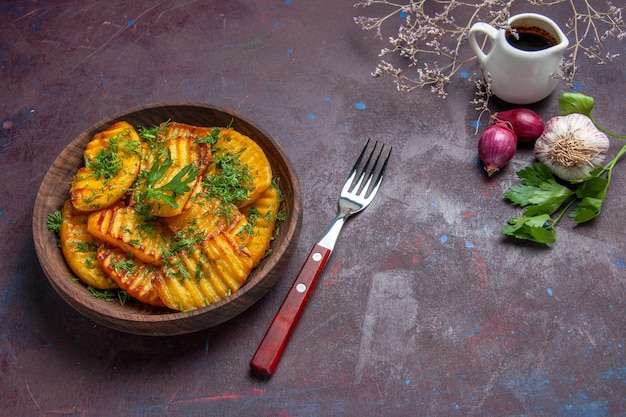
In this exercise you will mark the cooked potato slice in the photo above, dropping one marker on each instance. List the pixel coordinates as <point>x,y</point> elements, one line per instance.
<point>249,155</point>
<point>262,216</point>
<point>205,216</point>
<point>203,136</point>
<point>176,163</point>
<point>112,160</point>
<point>208,272</point>
<point>79,248</point>
<point>123,227</point>
<point>132,275</point>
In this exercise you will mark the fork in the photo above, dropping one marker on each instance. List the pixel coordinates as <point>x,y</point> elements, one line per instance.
<point>356,194</point>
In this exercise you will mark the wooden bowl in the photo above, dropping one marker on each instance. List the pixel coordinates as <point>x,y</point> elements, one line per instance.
<point>135,317</point>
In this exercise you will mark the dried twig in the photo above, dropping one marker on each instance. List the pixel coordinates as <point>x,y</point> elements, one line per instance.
<point>431,35</point>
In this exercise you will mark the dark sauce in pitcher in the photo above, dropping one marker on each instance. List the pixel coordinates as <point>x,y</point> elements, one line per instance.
<point>530,39</point>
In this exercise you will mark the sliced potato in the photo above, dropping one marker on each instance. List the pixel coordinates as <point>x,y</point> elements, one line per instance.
<point>124,228</point>
<point>205,216</point>
<point>208,272</point>
<point>201,135</point>
<point>79,248</point>
<point>179,158</point>
<point>132,275</point>
<point>112,159</point>
<point>262,216</point>
<point>250,155</point>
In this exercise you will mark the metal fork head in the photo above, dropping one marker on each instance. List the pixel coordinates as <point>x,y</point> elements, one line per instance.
<point>359,191</point>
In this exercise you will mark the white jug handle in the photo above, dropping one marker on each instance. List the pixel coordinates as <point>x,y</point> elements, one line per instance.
<point>486,29</point>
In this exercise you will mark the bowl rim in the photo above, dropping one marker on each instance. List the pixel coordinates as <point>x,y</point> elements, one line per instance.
<point>70,292</point>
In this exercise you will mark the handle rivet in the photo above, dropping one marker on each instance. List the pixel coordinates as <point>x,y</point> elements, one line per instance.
<point>317,256</point>
<point>301,288</point>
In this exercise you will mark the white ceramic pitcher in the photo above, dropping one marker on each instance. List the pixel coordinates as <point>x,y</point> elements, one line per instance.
<point>521,76</point>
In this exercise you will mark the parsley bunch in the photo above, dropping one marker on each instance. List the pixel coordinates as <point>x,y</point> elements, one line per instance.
<point>547,201</point>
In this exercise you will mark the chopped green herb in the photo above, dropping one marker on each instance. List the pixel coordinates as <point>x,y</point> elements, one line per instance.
<point>54,220</point>
<point>232,182</point>
<point>86,247</point>
<point>150,135</point>
<point>126,265</point>
<point>211,138</point>
<point>183,241</point>
<point>110,295</point>
<point>106,164</point>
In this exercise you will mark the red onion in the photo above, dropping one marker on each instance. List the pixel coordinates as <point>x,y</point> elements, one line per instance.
<point>497,146</point>
<point>526,124</point>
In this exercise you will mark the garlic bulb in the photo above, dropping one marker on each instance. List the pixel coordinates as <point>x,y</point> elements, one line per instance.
<point>571,146</point>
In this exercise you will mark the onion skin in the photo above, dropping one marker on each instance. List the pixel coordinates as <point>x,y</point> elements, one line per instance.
<point>497,146</point>
<point>526,124</point>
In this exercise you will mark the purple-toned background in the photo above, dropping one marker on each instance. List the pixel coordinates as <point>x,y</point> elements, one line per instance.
<point>424,308</point>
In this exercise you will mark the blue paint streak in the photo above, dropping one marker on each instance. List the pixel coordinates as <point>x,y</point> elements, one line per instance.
<point>550,292</point>
<point>474,330</point>
<point>131,22</point>
<point>585,409</point>
<point>361,106</point>
<point>469,245</point>
<point>464,74</point>
<point>619,263</point>
<point>289,51</point>
<point>577,86</point>
<point>404,15</point>
<point>619,374</point>
<point>311,116</point>
<point>326,98</point>
<point>443,239</point>
<point>477,124</point>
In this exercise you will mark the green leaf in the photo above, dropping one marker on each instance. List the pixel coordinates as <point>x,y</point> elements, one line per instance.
<point>587,209</point>
<point>180,183</point>
<point>593,187</point>
<point>576,103</point>
<point>167,193</point>
<point>520,194</point>
<point>536,175</point>
<point>548,198</point>
<point>540,193</point>
<point>538,229</point>
<point>531,179</point>
<point>158,169</point>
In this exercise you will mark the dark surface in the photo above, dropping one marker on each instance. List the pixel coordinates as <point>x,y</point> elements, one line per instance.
<point>424,308</point>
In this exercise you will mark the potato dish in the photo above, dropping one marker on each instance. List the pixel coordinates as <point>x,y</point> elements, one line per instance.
<point>175,216</point>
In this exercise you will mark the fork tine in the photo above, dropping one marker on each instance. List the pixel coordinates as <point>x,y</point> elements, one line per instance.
<point>379,178</point>
<point>348,184</point>
<point>381,173</point>
<point>371,174</point>
<point>355,185</point>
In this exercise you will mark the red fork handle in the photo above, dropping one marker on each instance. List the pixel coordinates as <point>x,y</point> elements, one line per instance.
<point>270,350</point>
